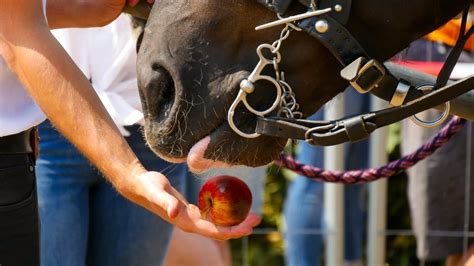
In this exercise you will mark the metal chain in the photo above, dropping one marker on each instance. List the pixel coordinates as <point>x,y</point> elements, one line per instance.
<point>285,100</point>
<point>288,107</point>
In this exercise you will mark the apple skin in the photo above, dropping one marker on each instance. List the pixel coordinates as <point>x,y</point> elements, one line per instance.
<point>225,200</point>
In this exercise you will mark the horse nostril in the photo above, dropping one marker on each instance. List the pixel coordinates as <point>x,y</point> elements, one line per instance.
<point>157,67</point>
<point>167,89</point>
<point>158,93</point>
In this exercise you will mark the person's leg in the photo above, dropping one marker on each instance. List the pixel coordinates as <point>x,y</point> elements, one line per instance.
<point>303,211</point>
<point>122,233</point>
<point>204,251</point>
<point>19,227</point>
<point>356,157</point>
<point>354,226</point>
<point>64,177</point>
<point>303,218</point>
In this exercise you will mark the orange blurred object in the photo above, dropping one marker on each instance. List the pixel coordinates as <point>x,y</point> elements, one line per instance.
<point>448,34</point>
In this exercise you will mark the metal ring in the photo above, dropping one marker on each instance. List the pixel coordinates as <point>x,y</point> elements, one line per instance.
<point>433,123</point>
<point>276,102</point>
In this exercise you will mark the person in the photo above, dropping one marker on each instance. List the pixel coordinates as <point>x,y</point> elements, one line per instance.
<point>304,209</point>
<point>37,78</point>
<point>81,213</point>
<point>438,188</point>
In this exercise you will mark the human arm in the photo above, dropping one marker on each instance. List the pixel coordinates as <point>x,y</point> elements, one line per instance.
<point>85,13</point>
<point>70,102</point>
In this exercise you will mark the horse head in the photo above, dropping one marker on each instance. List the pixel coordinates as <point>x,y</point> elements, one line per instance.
<point>194,55</point>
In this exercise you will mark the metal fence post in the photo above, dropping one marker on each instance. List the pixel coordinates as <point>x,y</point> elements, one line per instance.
<point>377,196</point>
<point>334,194</point>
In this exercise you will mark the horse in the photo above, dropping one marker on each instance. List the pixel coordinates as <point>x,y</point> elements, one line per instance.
<point>194,55</point>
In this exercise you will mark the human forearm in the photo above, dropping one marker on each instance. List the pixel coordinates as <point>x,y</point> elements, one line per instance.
<point>82,13</point>
<point>86,13</point>
<point>70,102</point>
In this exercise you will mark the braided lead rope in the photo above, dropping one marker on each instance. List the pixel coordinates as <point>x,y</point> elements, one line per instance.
<point>372,174</point>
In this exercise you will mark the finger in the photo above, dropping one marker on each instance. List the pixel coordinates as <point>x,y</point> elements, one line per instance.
<point>177,195</point>
<point>223,233</point>
<point>197,163</point>
<point>167,202</point>
<point>133,2</point>
<point>243,229</point>
<point>174,207</point>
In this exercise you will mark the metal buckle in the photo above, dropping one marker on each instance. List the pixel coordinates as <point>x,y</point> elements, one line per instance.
<point>371,64</point>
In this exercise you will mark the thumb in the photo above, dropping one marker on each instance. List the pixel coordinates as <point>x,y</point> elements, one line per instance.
<point>169,203</point>
<point>173,207</point>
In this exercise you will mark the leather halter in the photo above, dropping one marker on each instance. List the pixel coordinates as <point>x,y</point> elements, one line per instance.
<point>365,74</point>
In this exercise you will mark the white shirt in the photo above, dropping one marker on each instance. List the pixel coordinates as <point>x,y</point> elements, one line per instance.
<point>18,112</point>
<point>107,57</point>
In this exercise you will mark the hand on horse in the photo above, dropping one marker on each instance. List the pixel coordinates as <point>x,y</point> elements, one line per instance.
<point>86,13</point>
<point>135,2</point>
<point>153,191</point>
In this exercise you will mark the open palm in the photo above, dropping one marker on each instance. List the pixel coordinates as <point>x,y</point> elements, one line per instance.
<point>154,192</point>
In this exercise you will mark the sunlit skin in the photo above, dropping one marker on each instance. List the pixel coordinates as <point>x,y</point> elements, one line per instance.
<point>225,200</point>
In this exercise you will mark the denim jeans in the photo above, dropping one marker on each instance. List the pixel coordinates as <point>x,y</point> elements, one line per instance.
<point>83,218</point>
<point>303,210</point>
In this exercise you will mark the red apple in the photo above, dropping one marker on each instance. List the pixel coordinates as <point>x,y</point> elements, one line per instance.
<point>225,200</point>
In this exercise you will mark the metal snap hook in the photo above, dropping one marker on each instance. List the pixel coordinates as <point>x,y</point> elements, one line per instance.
<point>247,86</point>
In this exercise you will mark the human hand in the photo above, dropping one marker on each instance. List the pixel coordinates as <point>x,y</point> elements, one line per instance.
<point>135,2</point>
<point>153,191</point>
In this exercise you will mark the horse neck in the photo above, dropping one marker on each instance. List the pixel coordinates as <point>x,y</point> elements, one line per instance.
<point>387,27</point>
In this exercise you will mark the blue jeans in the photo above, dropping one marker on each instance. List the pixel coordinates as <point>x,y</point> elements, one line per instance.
<point>303,211</point>
<point>83,218</point>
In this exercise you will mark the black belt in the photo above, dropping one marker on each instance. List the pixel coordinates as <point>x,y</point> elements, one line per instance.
<point>17,143</point>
